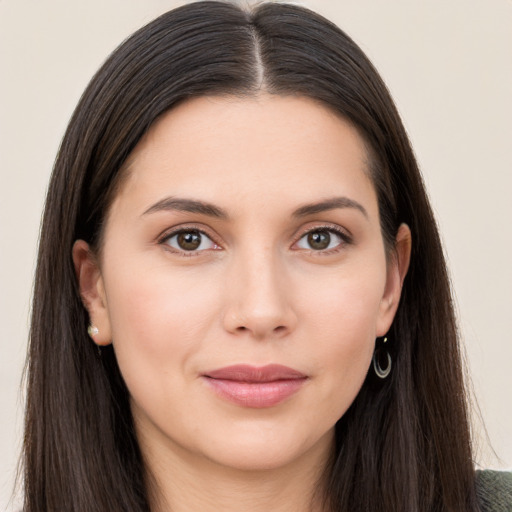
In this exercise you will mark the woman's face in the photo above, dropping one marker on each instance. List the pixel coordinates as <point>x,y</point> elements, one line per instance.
<point>243,280</point>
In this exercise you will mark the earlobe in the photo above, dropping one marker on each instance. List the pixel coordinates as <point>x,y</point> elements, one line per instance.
<point>92,291</point>
<point>398,266</point>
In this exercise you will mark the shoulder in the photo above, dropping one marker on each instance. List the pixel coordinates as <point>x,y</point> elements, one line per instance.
<point>494,490</point>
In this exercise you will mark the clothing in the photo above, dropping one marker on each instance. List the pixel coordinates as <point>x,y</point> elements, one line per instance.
<point>494,490</point>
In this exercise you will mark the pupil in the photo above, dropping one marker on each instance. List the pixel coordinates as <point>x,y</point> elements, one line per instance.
<point>189,240</point>
<point>319,240</point>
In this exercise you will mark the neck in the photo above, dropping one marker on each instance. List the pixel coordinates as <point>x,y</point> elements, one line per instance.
<point>184,482</point>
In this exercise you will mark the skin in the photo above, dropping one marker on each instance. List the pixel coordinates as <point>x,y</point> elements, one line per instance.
<point>255,292</point>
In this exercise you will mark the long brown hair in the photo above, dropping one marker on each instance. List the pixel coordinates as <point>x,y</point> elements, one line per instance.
<point>404,444</point>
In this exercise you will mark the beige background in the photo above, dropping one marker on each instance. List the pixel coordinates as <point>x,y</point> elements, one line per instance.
<point>448,64</point>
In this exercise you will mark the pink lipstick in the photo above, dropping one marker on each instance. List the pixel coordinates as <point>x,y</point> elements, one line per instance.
<point>255,387</point>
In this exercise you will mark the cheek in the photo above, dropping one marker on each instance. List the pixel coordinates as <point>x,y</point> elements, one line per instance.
<point>158,318</point>
<point>344,317</point>
<point>347,304</point>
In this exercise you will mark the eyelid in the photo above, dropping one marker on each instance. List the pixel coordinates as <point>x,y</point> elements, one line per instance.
<point>343,233</point>
<point>163,237</point>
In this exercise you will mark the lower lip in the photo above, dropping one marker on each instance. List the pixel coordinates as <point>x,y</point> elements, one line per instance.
<point>257,395</point>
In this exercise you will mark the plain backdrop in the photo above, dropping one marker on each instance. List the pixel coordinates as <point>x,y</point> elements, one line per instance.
<point>448,64</point>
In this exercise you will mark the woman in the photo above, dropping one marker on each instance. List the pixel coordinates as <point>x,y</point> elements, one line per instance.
<point>241,300</point>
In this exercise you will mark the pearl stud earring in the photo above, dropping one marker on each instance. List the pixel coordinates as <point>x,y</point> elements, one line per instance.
<point>92,330</point>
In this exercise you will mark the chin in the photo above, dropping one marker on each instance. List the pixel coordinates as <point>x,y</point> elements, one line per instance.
<point>267,453</point>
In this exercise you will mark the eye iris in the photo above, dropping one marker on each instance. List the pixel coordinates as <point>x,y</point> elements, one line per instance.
<point>189,240</point>
<point>319,240</point>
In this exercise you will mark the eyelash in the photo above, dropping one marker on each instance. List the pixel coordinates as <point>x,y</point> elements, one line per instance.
<point>164,239</point>
<point>346,239</point>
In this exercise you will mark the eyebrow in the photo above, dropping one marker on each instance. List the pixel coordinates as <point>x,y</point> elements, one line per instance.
<point>209,209</point>
<point>187,205</point>
<point>329,204</point>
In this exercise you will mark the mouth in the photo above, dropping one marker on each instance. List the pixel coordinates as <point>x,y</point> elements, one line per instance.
<point>255,387</point>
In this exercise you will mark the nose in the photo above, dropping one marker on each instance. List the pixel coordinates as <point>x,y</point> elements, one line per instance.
<point>259,298</point>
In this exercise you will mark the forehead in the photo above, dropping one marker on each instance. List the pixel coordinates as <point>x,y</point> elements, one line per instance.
<point>230,148</point>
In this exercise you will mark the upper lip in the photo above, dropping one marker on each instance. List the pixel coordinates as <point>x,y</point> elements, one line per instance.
<point>248,373</point>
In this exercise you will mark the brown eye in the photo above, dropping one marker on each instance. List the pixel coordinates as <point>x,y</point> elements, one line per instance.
<point>319,240</point>
<point>189,241</point>
<point>322,239</point>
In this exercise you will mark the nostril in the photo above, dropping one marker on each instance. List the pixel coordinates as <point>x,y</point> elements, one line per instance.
<point>275,321</point>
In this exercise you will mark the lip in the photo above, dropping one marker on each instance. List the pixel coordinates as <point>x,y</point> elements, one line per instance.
<point>255,387</point>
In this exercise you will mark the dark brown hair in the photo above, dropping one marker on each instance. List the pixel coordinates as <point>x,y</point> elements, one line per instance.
<point>404,444</point>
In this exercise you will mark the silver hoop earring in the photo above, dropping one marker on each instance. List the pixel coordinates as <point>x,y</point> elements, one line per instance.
<point>381,372</point>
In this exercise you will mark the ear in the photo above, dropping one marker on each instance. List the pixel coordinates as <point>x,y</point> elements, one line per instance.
<point>92,291</point>
<point>396,272</point>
